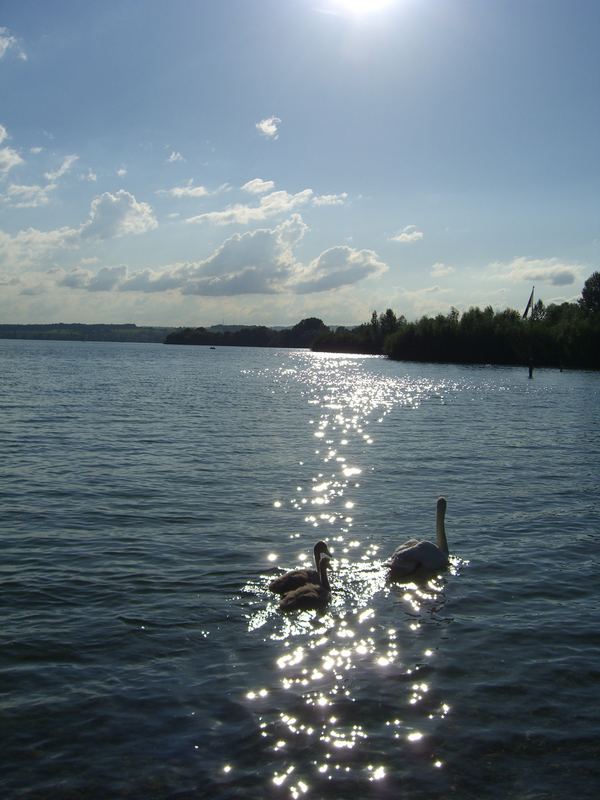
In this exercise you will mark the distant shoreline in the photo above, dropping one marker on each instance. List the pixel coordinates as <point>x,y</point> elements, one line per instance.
<point>83,332</point>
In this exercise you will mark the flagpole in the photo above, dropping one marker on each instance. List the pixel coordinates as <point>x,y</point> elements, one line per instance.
<point>529,303</point>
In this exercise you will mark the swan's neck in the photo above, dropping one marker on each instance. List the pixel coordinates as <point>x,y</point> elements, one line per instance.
<point>324,580</point>
<point>317,557</point>
<point>440,528</point>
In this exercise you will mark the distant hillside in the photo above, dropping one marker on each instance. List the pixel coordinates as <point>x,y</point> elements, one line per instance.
<point>79,332</point>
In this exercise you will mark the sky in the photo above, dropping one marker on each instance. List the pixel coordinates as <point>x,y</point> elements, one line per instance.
<point>263,161</point>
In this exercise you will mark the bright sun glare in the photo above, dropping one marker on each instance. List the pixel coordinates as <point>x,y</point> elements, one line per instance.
<point>360,7</point>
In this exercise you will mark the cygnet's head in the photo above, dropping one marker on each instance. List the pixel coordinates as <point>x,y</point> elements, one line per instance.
<point>320,549</point>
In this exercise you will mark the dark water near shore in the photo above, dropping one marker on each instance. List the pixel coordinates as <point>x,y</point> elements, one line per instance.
<point>148,494</point>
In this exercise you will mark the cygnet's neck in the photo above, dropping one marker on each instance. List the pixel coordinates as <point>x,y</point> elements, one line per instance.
<point>323,579</point>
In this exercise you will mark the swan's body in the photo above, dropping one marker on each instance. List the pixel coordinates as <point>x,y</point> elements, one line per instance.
<point>300,577</point>
<point>416,557</point>
<point>311,595</point>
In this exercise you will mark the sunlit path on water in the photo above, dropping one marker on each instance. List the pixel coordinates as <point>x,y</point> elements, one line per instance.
<point>373,640</point>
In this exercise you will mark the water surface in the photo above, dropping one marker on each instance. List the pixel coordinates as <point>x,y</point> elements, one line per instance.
<point>148,495</point>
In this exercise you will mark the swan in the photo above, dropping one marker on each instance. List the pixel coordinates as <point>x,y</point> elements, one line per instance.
<point>299,577</point>
<point>419,557</point>
<point>311,595</point>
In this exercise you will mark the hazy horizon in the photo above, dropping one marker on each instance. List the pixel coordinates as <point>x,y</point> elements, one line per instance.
<point>260,163</point>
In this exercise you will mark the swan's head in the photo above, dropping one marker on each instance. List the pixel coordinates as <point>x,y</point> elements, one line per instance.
<point>321,549</point>
<point>441,505</point>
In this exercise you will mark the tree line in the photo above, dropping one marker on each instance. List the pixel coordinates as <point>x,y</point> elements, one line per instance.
<point>304,334</point>
<point>557,335</point>
<point>83,332</point>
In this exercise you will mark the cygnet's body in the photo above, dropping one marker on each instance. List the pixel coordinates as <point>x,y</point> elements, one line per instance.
<point>311,595</point>
<point>300,577</point>
<point>416,557</point>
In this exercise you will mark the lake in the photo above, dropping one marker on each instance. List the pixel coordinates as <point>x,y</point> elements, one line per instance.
<point>149,494</point>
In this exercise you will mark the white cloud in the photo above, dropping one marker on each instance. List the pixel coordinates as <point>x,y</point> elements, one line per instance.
<point>91,176</point>
<point>175,156</point>
<point>330,199</point>
<point>270,205</point>
<point>121,172</point>
<point>187,190</point>
<point>258,186</point>
<point>105,280</point>
<point>118,214</point>
<point>66,165</point>
<point>269,127</point>
<point>441,270</point>
<point>111,215</point>
<point>339,266</point>
<point>9,42</point>
<point>407,235</point>
<point>542,270</point>
<point>28,247</point>
<point>256,262</point>
<point>20,196</point>
<point>35,151</point>
<point>429,300</point>
<point>9,158</point>
<point>3,133</point>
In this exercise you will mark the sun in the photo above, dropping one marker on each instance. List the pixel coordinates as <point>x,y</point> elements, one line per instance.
<point>362,7</point>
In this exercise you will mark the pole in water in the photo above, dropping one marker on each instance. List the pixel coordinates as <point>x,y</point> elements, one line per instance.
<point>531,369</point>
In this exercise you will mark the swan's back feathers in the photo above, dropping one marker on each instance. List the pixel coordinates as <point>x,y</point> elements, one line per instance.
<point>408,544</point>
<point>311,595</point>
<point>293,580</point>
<point>416,558</point>
<point>308,596</point>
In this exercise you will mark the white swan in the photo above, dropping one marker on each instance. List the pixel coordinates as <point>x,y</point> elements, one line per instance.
<point>299,577</point>
<point>415,557</point>
<point>311,595</point>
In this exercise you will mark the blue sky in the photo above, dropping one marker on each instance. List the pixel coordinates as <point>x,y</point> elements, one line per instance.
<point>261,161</point>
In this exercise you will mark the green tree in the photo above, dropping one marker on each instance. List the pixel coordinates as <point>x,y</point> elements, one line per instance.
<point>590,294</point>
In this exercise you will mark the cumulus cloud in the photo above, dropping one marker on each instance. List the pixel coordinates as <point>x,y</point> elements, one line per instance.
<point>111,215</point>
<point>35,151</point>
<point>105,280</point>
<point>9,42</point>
<point>187,190</point>
<point>121,172</point>
<point>20,196</point>
<point>3,133</point>
<point>118,214</point>
<point>339,266</point>
<point>441,270</point>
<point>91,176</point>
<point>270,205</point>
<point>269,127</point>
<point>66,165</point>
<point>28,247</point>
<point>258,186</point>
<point>261,261</point>
<point>175,156</point>
<point>541,270</point>
<point>407,235</point>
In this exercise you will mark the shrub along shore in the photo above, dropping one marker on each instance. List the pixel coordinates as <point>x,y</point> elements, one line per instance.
<point>557,335</point>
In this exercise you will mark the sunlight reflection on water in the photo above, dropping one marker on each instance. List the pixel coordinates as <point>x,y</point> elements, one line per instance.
<point>313,712</point>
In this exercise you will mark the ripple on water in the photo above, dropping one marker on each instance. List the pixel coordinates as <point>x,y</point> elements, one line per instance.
<point>138,548</point>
